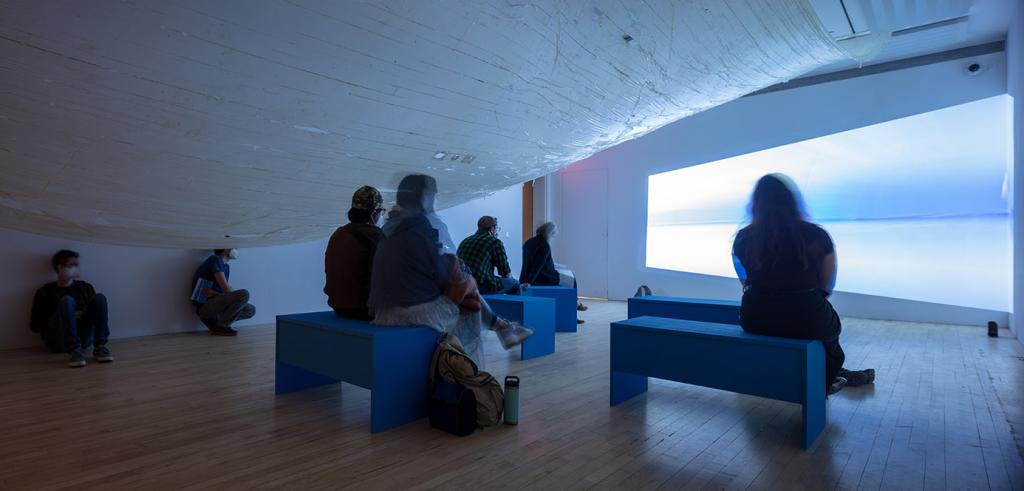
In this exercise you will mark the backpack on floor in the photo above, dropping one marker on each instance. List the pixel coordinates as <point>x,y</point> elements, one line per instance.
<point>643,291</point>
<point>451,365</point>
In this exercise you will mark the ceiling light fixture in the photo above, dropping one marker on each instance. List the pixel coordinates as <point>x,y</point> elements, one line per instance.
<point>440,155</point>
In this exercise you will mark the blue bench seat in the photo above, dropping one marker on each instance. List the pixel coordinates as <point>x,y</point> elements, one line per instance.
<point>719,356</point>
<point>536,313</point>
<point>695,309</point>
<point>320,348</point>
<point>565,304</point>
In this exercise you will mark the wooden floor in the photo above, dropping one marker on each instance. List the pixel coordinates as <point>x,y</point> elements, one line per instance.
<point>192,411</point>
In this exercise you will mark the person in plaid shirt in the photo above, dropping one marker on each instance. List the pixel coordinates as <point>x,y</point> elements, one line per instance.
<point>483,252</point>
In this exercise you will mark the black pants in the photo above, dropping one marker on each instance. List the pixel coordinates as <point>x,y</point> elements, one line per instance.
<point>75,326</point>
<point>357,313</point>
<point>804,314</point>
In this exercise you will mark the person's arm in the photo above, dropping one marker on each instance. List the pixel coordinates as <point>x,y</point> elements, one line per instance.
<point>222,281</point>
<point>500,259</point>
<point>828,274</point>
<point>531,268</point>
<point>741,272</point>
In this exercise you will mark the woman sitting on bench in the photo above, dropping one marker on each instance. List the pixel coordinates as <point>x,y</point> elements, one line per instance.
<point>788,269</point>
<point>418,281</point>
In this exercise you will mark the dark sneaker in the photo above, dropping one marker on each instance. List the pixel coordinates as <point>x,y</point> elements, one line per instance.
<point>77,359</point>
<point>580,307</point>
<point>836,385</point>
<point>857,378</point>
<point>580,321</point>
<point>223,331</point>
<point>102,354</point>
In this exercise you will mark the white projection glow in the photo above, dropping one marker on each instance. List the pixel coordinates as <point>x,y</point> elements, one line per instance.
<point>919,208</point>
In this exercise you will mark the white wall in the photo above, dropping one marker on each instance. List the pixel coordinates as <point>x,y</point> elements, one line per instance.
<point>1015,87</point>
<point>755,123</point>
<point>148,288</point>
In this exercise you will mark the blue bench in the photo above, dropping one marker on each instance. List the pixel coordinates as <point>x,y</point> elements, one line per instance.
<point>565,304</point>
<point>722,357</point>
<point>320,348</point>
<point>695,309</point>
<point>537,313</point>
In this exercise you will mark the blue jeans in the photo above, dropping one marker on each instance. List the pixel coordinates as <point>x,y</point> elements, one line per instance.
<point>508,285</point>
<point>66,332</point>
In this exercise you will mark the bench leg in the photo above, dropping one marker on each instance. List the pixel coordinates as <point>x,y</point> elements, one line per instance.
<point>542,342</point>
<point>290,378</point>
<point>625,386</point>
<point>814,395</point>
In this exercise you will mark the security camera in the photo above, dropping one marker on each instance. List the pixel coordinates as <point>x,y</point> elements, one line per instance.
<point>974,68</point>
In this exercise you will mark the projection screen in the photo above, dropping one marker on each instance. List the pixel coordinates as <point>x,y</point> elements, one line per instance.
<point>919,208</point>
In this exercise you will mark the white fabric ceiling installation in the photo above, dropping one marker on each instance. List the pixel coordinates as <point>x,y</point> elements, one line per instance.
<point>232,123</point>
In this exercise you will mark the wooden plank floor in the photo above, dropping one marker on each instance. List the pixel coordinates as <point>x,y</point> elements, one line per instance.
<point>192,411</point>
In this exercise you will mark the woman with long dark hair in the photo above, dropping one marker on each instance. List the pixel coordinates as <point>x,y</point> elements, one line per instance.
<point>788,269</point>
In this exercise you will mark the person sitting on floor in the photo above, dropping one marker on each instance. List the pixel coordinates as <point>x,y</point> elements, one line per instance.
<point>217,304</point>
<point>415,283</point>
<point>349,258</point>
<point>69,315</point>
<point>540,269</point>
<point>787,266</point>
<point>483,252</point>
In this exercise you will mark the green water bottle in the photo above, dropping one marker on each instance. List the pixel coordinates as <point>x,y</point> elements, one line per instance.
<point>511,400</point>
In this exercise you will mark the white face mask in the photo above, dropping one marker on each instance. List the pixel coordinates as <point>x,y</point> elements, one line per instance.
<point>71,273</point>
<point>233,254</point>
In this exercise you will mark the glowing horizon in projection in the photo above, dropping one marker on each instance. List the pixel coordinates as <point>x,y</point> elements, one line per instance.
<point>919,208</point>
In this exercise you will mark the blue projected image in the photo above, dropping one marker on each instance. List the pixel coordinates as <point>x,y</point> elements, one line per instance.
<point>919,208</point>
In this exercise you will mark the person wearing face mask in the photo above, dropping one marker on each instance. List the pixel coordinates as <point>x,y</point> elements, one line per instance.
<point>217,304</point>
<point>69,315</point>
<point>539,268</point>
<point>348,260</point>
<point>418,281</point>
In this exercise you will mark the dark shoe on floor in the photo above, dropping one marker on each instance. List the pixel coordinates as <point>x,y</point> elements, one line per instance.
<point>580,321</point>
<point>77,359</point>
<point>223,331</point>
<point>102,354</point>
<point>580,307</point>
<point>857,378</point>
<point>837,385</point>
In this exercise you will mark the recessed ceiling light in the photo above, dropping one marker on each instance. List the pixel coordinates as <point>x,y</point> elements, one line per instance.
<point>627,38</point>
<point>440,155</point>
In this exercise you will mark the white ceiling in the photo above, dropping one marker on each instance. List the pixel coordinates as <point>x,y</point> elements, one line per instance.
<point>923,27</point>
<point>178,123</point>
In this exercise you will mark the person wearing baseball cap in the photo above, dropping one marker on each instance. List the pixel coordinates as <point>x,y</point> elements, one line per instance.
<point>483,252</point>
<point>349,257</point>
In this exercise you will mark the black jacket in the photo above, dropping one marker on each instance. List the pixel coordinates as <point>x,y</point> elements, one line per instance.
<point>407,268</point>
<point>48,298</point>
<point>538,266</point>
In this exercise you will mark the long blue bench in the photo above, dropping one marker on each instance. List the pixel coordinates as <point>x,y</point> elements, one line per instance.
<point>320,348</point>
<point>696,309</point>
<point>536,313</point>
<point>565,304</point>
<point>722,357</point>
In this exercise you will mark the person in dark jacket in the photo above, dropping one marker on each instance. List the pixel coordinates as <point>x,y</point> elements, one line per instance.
<point>69,315</point>
<point>348,261</point>
<point>787,266</point>
<point>416,282</point>
<point>539,267</point>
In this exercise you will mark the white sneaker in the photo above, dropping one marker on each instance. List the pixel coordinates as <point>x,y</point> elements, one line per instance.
<point>511,334</point>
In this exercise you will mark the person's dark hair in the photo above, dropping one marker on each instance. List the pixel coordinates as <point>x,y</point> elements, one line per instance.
<point>411,191</point>
<point>356,215</point>
<point>61,256</point>
<point>776,215</point>
<point>220,251</point>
